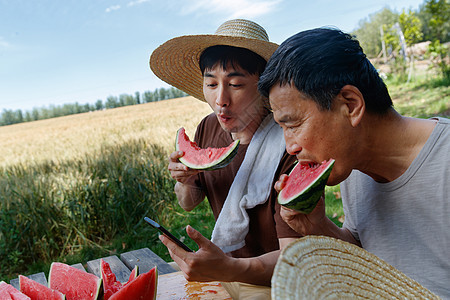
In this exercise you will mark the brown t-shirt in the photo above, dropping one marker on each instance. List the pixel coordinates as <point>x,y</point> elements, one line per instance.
<point>266,225</point>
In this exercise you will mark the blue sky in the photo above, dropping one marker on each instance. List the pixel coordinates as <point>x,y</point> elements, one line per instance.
<point>67,51</point>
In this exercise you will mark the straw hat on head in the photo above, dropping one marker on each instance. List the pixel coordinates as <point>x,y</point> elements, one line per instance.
<point>177,60</point>
<point>318,267</point>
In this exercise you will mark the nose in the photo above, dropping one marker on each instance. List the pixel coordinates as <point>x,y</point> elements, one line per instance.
<point>222,97</point>
<point>292,147</point>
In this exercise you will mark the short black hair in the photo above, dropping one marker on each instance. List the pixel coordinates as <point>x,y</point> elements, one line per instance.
<point>319,62</point>
<point>223,54</point>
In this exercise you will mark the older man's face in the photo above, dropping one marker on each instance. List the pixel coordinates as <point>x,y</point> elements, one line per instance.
<point>311,133</point>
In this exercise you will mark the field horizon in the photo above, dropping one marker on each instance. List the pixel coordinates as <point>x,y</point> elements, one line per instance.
<point>73,136</point>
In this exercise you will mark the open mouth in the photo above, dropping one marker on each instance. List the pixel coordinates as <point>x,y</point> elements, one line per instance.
<point>309,164</point>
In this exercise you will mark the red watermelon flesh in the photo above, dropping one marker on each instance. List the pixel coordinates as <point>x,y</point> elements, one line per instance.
<point>4,295</point>
<point>74,283</point>
<point>204,159</point>
<point>13,293</point>
<point>37,291</point>
<point>133,275</point>
<point>142,287</point>
<point>305,186</point>
<point>110,283</point>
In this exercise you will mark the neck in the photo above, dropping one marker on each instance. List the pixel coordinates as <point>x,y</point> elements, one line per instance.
<point>391,143</point>
<point>245,135</point>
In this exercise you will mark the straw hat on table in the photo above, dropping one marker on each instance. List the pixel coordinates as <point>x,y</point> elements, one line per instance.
<point>177,60</point>
<point>318,267</point>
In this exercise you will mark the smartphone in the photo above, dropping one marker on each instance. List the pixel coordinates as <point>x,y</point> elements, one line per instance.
<point>167,233</point>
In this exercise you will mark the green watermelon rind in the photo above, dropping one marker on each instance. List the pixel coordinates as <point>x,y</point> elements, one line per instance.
<point>305,201</point>
<point>99,282</point>
<point>219,163</point>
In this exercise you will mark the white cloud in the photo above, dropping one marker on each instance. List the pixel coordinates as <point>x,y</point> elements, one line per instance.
<point>111,8</point>
<point>4,43</point>
<point>233,8</point>
<point>137,2</point>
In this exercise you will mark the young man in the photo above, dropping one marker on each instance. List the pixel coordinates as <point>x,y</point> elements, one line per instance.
<point>394,171</point>
<point>223,69</point>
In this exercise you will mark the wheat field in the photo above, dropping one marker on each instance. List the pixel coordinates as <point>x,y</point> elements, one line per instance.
<point>74,136</point>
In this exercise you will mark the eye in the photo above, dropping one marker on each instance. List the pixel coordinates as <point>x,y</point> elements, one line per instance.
<point>236,85</point>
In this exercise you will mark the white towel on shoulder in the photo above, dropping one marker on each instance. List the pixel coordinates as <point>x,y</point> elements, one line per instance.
<point>251,186</point>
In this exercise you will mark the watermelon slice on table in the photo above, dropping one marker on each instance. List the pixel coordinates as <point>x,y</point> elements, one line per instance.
<point>305,186</point>
<point>4,295</point>
<point>110,284</point>
<point>204,159</point>
<point>7,291</point>
<point>142,287</point>
<point>74,283</point>
<point>37,291</point>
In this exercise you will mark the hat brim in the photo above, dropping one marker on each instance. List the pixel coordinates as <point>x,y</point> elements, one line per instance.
<point>177,60</point>
<point>317,267</point>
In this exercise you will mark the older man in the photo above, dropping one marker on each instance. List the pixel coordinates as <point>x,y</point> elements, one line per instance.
<point>394,171</point>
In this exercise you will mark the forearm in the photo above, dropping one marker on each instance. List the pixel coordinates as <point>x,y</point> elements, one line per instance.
<point>328,228</point>
<point>255,270</point>
<point>188,196</point>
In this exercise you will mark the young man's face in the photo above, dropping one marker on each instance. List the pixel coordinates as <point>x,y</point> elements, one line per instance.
<point>234,97</point>
<point>312,134</point>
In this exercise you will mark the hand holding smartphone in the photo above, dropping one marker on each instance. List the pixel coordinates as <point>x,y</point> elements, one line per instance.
<point>168,234</point>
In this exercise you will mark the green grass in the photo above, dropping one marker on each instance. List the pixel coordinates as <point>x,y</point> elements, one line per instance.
<point>80,209</point>
<point>422,98</point>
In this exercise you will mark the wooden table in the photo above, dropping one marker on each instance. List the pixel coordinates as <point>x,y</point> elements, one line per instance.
<point>171,284</point>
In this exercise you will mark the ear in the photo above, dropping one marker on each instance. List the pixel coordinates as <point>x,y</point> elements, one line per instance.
<point>353,103</point>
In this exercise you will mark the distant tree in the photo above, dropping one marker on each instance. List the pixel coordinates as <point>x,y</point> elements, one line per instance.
<point>99,105</point>
<point>35,114</point>
<point>137,96</point>
<point>28,116</point>
<point>368,31</point>
<point>147,97</point>
<point>411,27</point>
<point>7,117</point>
<point>111,102</point>
<point>162,94</point>
<point>435,17</point>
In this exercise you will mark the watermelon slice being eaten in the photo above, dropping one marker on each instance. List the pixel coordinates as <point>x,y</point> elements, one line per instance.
<point>305,186</point>
<point>204,159</point>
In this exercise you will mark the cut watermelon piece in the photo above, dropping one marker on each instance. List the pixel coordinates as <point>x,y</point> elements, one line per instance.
<point>142,287</point>
<point>37,291</point>
<point>12,292</point>
<point>305,186</point>
<point>74,283</point>
<point>4,295</point>
<point>110,284</point>
<point>134,273</point>
<point>204,159</point>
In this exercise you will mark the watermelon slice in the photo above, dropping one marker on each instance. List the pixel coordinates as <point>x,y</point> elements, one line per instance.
<point>74,283</point>
<point>305,186</point>
<point>142,287</point>
<point>4,295</point>
<point>204,159</point>
<point>37,291</point>
<point>7,291</point>
<point>110,283</point>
